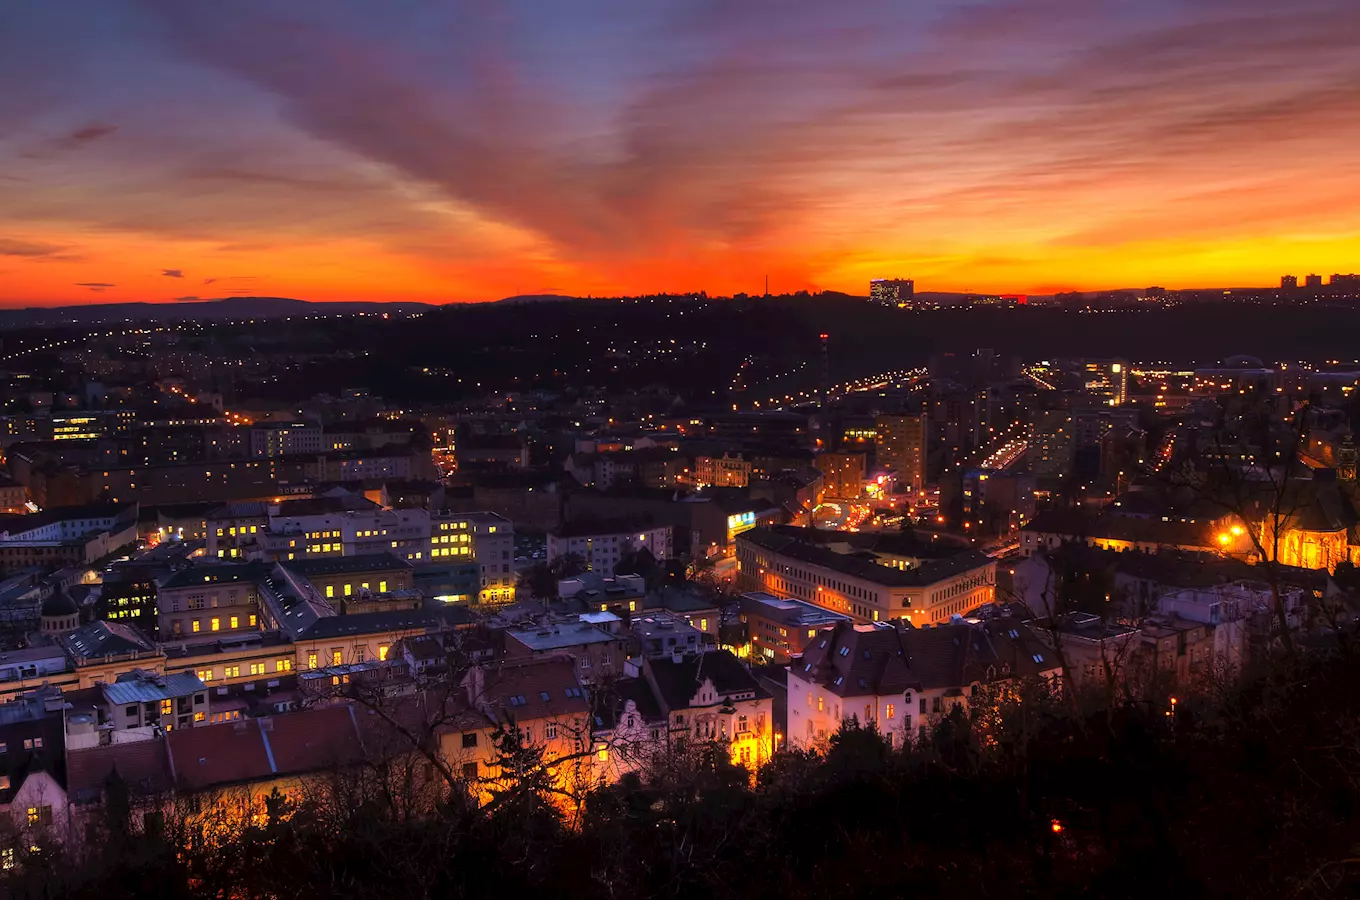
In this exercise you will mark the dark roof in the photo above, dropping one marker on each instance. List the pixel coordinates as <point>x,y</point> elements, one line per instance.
<point>260,749</point>
<point>889,658</point>
<point>386,620</point>
<point>214,573</point>
<point>60,604</point>
<point>144,766</point>
<point>55,514</point>
<point>582,527</point>
<point>533,690</point>
<point>320,506</point>
<point>99,639</point>
<point>805,545</point>
<point>342,565</point>
<point>678,682</point>
<point>1076,523</point>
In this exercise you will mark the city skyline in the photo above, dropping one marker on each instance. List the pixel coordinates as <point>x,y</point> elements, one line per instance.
<point>154,152</point>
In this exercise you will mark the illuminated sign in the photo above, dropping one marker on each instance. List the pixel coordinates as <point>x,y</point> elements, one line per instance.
<point>740,522</point>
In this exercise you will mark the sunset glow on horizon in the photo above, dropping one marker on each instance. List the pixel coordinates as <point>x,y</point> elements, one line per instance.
<point>153,150</point>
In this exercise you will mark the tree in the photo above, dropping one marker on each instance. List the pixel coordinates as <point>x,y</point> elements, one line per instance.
<point>541,579</point>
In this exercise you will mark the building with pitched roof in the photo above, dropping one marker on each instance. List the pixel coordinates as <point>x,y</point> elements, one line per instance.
<point>904,679</point>
<point>689,698</point>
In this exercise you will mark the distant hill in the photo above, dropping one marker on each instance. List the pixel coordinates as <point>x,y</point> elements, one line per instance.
<point>196,310</point>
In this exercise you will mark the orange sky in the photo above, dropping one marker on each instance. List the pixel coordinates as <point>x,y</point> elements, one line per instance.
<point>155,150</point>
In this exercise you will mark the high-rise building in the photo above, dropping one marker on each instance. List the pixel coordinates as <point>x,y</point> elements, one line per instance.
<point>1312,281</point>
<point>901,447</point>
<point>1289,282</point>
<point>1349,281</point>
<point>1108,379</point>
<point>842,474</point>
<point>1052,445</point>
<point>894,292</point>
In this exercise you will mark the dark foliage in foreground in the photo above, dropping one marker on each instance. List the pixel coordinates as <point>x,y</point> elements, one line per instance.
<point>1250,794</point>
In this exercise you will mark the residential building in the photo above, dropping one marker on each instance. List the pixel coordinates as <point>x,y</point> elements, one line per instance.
<point>1111,531</point>
<point>779,627</point>
<point>218,599</point>
<point>896,293</point>
<point>66,535</point>
<point>543,700</point>
<point>903,679</point>
<point>145,704</point>
<point>597,654</point>
<point>900,446</point>
<point>271,439</point>
<point>687,699</point>
<point>1052,445</point>
<point>842,474</point>
<point>346,579</point>
<point>603,543</point>
<point>722,471</point>
<point>665,634</point>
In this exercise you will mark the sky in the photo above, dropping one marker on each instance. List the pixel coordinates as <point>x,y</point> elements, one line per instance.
<point>463,150</point>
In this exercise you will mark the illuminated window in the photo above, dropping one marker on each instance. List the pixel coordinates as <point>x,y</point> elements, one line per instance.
<point>821,705</point>
<point>330,590</point>
<point>889,711</point>
<point>311,660</point>
<point>235,622</point>
<point>382,587</point>
<point>349,589</point>
<point>382,652</point>
<point>335,657</point>
<point>205,675</point>
<point>231,672</point>
<point>257,668</point>
<point>252,620</point>
<point>167,707</point>
<point>199,717</point>
<point>216,624</point>
<point>285,665</point>
<point>196,626</point>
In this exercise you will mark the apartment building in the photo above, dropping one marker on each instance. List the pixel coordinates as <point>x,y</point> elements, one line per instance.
<point>903,679</point>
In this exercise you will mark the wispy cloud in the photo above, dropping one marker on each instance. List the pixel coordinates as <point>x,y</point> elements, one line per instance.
<point>173,273</point>
<point>95,285</point>
<point>686,143</point>
<point>28,249</point>
<point>87,134</point>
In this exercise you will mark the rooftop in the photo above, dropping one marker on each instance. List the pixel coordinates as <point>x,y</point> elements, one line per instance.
<point>789,612</point>
<point>143,687</point>
<point>560,637</point>
<point>104,639</point>
<point>214,573</point>
<point>344,565</point>
<point>890,658</point>
<point>808,545</point>
<point>589,527</point>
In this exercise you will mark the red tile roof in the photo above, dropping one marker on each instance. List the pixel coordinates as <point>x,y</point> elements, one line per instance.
<point>210,755</point>
<point>144,767</point>
<point>541,689</point>
<point>313,739</point>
